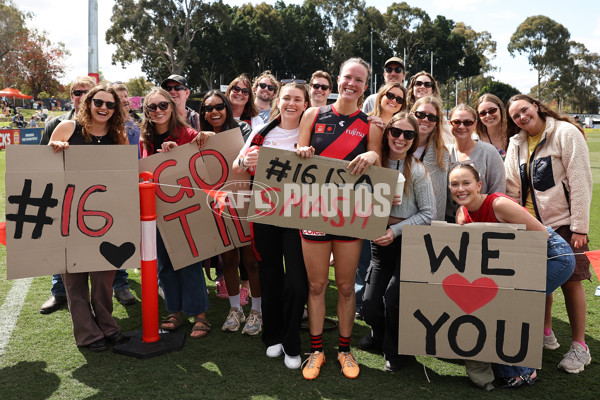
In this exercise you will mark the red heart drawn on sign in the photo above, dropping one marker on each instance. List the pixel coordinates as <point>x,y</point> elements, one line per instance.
<point>469,296</point>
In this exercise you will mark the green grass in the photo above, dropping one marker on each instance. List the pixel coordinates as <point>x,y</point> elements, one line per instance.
<point>42,361</point>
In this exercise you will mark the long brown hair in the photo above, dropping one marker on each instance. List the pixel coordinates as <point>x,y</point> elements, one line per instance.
<point>148,129</point>
<point>383,91</point>
<point>385,147</point>
<point>435,137</point>
<point>250,109</point>
<point>435,91</point>
<point>116,123</point>
<point>543,112</point>
<point>480,127</point>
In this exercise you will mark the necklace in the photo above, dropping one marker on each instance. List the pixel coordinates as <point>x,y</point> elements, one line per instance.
<point>98,138</point>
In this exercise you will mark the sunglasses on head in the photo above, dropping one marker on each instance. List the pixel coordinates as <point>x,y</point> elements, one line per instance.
<point>491,111</point>
<point>399,99</point>
<point>163,105</point>
<point>237,89</point>
<point>397,70</point>
<point>78,93</point>
<point>467,122</point>
<point>218,107</point>
<point>423,115</point>
<point>396,132</point>
<point>301,81</point>
<point>426,84</point>
<point>264,86</point>
<point>109,104</point>
<point>175,87</point>
<point>318,86</point>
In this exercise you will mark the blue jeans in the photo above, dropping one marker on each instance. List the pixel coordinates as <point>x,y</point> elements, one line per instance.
<point>361,273</point>
<point>559,268</point>
<point>120,282</point>
<point>185,289</point>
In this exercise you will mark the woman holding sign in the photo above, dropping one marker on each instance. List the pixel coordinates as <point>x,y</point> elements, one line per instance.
<point>284,287</point>
<point>216,116</point>
<point>465,188</point>
<point>352,138</point>
<point>100,120</point>
<point>548,172</point>
<point>162,130</point>
<point>380,302</point>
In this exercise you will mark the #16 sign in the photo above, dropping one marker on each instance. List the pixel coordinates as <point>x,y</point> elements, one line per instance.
<point>201,205</point>
<point>474,292</point>
<point>320,194</point>
<point>74,211</point>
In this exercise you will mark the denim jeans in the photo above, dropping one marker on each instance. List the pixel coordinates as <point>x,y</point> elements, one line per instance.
<point>185,289</point>
<point>120,282</point>
<point>361,273</point>
<point>559,268</point>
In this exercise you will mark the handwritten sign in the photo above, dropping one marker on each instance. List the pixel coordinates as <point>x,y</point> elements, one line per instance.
<point>203,211</point>
<point>473,292</point>
<point>320,194</point>
<point>75,211</point>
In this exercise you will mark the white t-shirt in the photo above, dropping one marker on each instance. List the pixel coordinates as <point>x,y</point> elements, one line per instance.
<point>277,138</point>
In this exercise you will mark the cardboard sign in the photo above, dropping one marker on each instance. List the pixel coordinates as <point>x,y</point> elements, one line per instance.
<point>203,213</point>
<point>74,211</point>
<point>473,292</point>
<point>320,194</point>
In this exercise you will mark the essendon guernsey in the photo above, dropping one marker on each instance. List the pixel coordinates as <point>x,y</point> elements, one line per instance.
<point>339,136</point>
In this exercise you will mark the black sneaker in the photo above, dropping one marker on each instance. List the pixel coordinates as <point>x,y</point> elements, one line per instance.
<point>369,343</point>
<point>98,346</point>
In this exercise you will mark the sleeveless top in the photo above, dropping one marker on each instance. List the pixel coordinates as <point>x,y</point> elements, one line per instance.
<point>78,138</point>
<point>339,136</point>
<point>485,212</point>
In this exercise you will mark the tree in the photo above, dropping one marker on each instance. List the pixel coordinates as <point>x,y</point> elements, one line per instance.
<point>546,43</point>
<point>12,34</point>
<point>138,86</point>
<point>502,90</point>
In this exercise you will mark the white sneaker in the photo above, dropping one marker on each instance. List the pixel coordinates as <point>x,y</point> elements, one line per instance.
<point>576,359</point>
<point>292,362</point>
<point>275,351</point>
<point>550,342</point>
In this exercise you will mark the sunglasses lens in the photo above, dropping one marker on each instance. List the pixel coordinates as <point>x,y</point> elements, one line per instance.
<point>110,105</point>
<point>408,135</point>
<point>163,105</point>
<point>220,107</point>
<point>78,93</point>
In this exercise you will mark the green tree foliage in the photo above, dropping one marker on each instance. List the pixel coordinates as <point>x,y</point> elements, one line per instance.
<point>12,32</point>
<point>138,86</point>
<point>504,91</point>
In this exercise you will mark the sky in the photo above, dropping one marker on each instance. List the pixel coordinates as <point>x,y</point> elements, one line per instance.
<point>499,17</point>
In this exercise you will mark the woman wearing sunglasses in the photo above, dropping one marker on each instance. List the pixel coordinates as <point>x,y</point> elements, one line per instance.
<point>216,116</point>
<point>284,286</point>
<point>422,84</point>
<point>244,108</point>
<point>391,99</point>
<point>320,88</point>
<point>548,172</point>
<point>482,155</point>
<point>163,129</point>
<point>416,206</point>
<point>351,138</point>
<point>431,149</point>
<point>491,124</point>
<point>100,120</point>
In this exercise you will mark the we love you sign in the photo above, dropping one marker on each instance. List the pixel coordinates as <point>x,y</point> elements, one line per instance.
<point>473,292</point>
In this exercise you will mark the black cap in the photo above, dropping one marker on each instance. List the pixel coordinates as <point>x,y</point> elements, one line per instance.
<point>177,78</point>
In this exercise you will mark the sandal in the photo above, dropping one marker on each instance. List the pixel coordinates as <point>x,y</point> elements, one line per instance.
<point>174,319</point>
<point>202,325</point>
<point>514,383</point>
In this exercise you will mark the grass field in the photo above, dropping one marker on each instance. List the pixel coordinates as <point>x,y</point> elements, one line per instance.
<point>41,360</point>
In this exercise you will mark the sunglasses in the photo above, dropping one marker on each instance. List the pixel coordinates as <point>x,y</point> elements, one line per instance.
<point>237,89</point>
<point>491,111</point>
<point>78,93</point>
<point>426,84</point>
<point>264,86</point>
<point>397,70</point>
<point>301,81</point>
<point>318,86</point>
<point>218,107</point>
<point>399,99</point>
<point>423,115</point>
<point>175,87</point>
<point>396,132</point>
<point>163,105</point>
<point>109,104</point>
<point>456,122</point>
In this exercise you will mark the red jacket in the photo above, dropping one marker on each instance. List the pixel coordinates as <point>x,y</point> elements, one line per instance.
<point>186,135</point>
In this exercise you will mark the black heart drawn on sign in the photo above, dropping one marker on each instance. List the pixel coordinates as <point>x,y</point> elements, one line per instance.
<point>117,255</point>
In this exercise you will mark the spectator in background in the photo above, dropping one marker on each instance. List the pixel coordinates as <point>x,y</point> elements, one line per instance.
<point>393,71</point>
<point>244,108</point>
<point>18,120</point>
<point>32,123</point>
<point>320,88</point>
<point>132,119</point>
<point>177,86</point>
<point>265,89</point>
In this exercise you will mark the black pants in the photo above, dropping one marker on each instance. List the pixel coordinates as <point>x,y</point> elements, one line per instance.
<point>380,301</point>
<point>284,288</point>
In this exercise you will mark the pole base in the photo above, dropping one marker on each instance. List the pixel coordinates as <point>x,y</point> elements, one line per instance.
<point>133,346</point>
